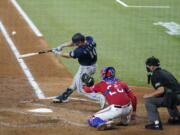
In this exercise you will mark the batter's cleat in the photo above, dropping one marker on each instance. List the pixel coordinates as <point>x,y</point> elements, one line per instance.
<point>105,126</point>
<point>60,100</point>
<point>154,126</point>
<point>64,97</point>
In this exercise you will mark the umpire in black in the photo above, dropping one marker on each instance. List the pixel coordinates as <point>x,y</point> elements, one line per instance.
<point>166,94</point>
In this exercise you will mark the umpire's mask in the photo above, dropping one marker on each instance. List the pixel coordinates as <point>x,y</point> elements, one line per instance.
<point>151,61</point>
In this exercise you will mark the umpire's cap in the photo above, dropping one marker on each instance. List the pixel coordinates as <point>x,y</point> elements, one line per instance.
<point>152,61</point>
<point>78,37</point>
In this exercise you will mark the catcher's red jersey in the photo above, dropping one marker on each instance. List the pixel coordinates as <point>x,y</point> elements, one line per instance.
<point>115,93</point>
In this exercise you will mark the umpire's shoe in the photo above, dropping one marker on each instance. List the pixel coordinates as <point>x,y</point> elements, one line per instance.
<point>174,120</point>
<point>156,125</point>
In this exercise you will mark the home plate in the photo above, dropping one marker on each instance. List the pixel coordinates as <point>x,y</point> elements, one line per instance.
<point>41,110</point>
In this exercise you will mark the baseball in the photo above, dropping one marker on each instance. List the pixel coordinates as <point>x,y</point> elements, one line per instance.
<point>13,32</point>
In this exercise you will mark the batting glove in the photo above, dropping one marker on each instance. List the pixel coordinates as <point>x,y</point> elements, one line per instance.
<point>61,47</point>
<point>56,51</point>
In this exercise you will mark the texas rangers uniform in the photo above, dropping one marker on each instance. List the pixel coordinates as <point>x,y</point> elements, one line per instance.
<point>119,98</point>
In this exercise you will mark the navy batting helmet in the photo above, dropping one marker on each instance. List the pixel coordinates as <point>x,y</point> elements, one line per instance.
<point>152,61</point>
<point>78,37</point>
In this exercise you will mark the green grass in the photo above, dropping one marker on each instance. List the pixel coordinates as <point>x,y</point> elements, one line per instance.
<point>125,36</point>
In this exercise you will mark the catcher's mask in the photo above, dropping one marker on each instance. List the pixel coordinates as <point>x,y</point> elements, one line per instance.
<point>107,72</point>
<point>78,37</point>
<point>152,61</point>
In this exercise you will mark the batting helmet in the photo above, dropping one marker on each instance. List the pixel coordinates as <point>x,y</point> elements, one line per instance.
<point>107,72</point>
<point>152,61</point>
<point>78,37</point>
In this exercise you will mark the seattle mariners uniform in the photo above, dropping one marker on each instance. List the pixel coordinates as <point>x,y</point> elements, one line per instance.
<point>87,58</point>
<point>122,101</point>
<point>166,94</point>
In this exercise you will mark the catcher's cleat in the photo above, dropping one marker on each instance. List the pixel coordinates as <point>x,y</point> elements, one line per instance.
<point>105,126</point>
<point>121,124</point>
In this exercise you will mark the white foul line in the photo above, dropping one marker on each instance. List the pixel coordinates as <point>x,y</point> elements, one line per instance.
<point>2,123</point>
<point>149,6</point>
<point>29,22</point>
<point>122,3</point>
<point>23,65</point>
<point>125,5</point>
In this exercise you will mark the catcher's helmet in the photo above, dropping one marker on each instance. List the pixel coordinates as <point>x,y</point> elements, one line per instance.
<point>152,61</point>
<point>78,37</point>
<point>108,72</point>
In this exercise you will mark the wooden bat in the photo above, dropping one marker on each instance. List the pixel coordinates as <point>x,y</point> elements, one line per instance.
<point>33,54</point>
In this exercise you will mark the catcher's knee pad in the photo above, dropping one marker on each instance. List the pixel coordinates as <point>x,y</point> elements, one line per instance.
<point>95,121</point>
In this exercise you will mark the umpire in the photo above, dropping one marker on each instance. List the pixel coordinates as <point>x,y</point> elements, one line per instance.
<point>166,94</point>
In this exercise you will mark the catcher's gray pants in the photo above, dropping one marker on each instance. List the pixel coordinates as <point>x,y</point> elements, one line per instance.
<point>78,84</point>
<point>153,103</point>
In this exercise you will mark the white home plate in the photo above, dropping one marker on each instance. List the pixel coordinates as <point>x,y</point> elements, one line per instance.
<point>41,110</point>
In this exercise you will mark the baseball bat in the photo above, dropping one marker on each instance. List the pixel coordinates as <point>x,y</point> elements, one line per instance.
<point>33,54</point>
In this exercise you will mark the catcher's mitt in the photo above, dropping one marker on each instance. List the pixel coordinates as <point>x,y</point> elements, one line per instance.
<point>87,79</point>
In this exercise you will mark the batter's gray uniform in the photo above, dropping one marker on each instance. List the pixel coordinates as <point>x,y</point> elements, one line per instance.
<point>87,57</point>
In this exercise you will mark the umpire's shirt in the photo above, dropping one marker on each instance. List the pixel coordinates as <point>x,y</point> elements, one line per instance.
<point>163,78</point>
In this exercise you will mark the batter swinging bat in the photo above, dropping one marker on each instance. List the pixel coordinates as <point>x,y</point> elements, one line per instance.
<point>32,54</point>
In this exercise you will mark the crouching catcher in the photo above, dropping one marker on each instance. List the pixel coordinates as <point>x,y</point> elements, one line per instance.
<point>121,100</point>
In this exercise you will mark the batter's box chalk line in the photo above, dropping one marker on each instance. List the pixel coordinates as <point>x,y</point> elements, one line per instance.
<point>53,120</point>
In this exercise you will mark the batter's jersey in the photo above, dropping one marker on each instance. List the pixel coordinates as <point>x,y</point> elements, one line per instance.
<point>86,54</point>
<point>163,78</point>
<point>115,93</point>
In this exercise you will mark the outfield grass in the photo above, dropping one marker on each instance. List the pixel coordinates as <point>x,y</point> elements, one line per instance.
<point>125,36</point>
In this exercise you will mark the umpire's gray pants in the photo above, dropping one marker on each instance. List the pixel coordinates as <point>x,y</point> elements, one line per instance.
<point>153,103</point>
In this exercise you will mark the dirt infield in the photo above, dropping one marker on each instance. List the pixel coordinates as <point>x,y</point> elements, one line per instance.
<point>18,97</point>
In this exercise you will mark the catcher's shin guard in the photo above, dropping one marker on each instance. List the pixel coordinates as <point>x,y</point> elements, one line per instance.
<point>63,98</point>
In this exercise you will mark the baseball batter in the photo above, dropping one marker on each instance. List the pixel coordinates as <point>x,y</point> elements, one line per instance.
<point>122,101</point>
<point>87,58</point>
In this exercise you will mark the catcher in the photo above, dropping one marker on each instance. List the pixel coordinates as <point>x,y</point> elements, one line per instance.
<point>122,101</point>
